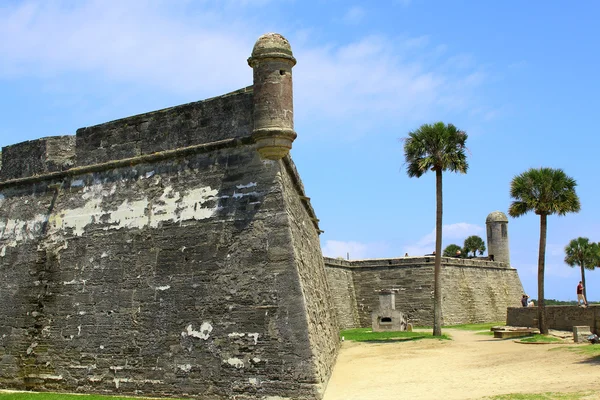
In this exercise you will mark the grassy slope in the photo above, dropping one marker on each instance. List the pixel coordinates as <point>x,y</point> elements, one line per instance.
<point>366,335</point>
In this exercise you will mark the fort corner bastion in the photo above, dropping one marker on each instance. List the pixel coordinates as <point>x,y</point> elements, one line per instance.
<point>163,255</point>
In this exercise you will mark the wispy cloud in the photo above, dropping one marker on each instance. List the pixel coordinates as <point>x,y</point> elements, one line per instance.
<point>354,250</point>
<point>134,41</point>
<point>200,48</point>
<point>354,15</point>
<point>451,233</point>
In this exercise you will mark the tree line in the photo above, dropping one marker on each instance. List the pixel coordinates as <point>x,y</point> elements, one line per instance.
<point>545,191</point>
<point>472,246</point>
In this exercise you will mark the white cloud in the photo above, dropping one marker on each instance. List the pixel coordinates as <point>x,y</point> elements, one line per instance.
<point>200,48</point>
<point>355,250</point>
<point>452,233</point>
<point>335,248</point>
<point>133,41</point>
<point>354,15</point>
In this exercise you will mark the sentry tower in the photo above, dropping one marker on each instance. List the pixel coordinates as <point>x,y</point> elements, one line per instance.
<point>272,61</point>
<point>497,236</point>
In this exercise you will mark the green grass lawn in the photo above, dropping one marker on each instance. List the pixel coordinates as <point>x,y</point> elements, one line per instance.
<point>547,396</point>
<point>590,350</point>
<point>62,396</point>
<point>485,326</point>
<point>367,335</point>
<point>541,339</point>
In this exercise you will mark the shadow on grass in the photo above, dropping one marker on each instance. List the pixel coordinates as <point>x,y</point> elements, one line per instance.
<point>595,360</point>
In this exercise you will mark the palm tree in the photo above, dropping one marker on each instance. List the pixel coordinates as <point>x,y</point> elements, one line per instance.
<point>450,250</point>
<point>475,244</point>
<point>436,147</point>
<point>583,253</point>
<point>545,191</point>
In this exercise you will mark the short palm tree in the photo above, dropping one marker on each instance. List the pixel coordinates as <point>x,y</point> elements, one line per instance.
<point>545,191</point>
<point>474,244</point>
<point>450,250</point>
<point>583,253</point>
<point>436,147</point>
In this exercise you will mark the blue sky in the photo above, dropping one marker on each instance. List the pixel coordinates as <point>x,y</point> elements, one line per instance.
<point>521,78</point>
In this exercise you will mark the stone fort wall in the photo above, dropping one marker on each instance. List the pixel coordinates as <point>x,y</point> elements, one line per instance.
<point>473,290</point>
<point>161,255</point>
<point>562,318</point>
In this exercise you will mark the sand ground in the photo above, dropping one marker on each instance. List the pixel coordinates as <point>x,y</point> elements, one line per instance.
<point>470,366</point>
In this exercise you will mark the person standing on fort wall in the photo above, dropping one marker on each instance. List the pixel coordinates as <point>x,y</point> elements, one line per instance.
<point>580,296</point>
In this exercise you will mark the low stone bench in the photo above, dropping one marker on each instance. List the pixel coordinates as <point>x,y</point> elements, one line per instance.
<point>513,332</point>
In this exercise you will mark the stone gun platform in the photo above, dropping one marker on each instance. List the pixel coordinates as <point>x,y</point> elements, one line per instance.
<point>505,332</point>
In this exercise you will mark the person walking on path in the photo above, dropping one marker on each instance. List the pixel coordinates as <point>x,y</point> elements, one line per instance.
<point>580,296</point>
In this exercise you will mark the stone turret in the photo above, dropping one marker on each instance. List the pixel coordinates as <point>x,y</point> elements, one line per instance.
<point>272,62</point>
<point>497,236</point>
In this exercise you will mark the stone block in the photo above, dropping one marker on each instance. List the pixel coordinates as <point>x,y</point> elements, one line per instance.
<point>581,333</point>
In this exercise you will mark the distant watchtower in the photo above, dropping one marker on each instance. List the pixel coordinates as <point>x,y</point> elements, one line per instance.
<point>272,62</point>
<point>497,236</point>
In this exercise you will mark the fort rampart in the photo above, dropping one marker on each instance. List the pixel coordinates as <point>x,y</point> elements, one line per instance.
<point>474,290</point>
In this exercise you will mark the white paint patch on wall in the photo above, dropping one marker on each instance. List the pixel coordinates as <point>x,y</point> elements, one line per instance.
<point>172,206</point>
<point>249,185</point>
<point>13,231</point>
<point>235,362</point>
<point>185,367</point>
<point>192,204</point>
<point>254,336</point>
<point>204,332</point>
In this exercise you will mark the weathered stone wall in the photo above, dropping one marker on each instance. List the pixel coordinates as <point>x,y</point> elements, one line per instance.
<point>191,273</point>
<point>35,157</point>
<point>473,290</point>
<point>557,317</point>
<point>341,284</point>
<point>473,294</point>
<point>322,324</point>
<point>206,121</point>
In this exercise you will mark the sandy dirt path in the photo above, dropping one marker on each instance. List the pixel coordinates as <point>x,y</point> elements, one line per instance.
<point>470,366</point>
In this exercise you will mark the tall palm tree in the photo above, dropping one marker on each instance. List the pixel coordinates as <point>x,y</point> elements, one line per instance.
<point>583,253</point>
<point>436,147</point>
<point>545,191</point>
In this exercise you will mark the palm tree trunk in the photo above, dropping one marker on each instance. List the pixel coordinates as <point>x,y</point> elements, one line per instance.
<point>437,284</point>
<point>541,266</point>
<point>583,283</point>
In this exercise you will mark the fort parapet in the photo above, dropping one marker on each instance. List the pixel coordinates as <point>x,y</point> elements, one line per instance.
<point>474,290</point>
